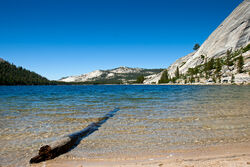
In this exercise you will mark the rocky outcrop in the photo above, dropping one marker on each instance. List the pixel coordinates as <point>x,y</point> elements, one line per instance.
<point>179,63</point>
<point>152,79</point>
<point>84,77</point>
<point>232,34</point>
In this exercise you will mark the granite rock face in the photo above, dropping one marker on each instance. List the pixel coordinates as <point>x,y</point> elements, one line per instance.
<point>152,79</point>
<point>180,63</point>
<point>232,34</point>
<point>171,70</point>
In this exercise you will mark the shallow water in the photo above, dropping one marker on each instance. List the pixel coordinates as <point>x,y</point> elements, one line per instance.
<point>152,119</point>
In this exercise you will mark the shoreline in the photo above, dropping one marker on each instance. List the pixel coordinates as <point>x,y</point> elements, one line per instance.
<point>237,154</point>
<point>170,84</point>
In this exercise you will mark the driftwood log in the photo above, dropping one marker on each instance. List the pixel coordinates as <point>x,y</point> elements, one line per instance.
<point>69,142</point>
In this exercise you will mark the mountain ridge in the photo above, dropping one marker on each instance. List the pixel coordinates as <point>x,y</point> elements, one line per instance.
<point>120,75</point>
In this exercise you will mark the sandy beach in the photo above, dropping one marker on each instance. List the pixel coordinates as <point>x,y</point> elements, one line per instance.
<point>230,155</point>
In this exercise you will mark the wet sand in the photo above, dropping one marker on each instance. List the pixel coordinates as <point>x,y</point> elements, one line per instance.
<point>230,155</point>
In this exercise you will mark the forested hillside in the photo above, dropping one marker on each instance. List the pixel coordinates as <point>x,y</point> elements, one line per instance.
<point>13,75</point>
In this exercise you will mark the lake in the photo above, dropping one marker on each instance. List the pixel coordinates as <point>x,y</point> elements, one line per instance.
<point>152,119</point>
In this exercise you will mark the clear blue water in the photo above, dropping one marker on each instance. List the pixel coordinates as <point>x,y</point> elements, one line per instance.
<point>152,119</point>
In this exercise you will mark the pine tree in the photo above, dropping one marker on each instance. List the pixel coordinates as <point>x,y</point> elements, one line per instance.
<point>206,68</point>
<point>177,73</point>
<point>196,46</point>
<point>164,77</point>
<point>218,66</point>
<point>247,48</point>
<point>191,80</point>
<point>232,78</point>
<point>228,58</point>
<point>140,79</point>
<point>210,64</point>
<point>240,64</point>
<point>214,79</point>
<point>174,79</point>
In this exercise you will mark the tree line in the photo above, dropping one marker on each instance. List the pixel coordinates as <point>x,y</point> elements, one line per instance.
<point>13,75</point>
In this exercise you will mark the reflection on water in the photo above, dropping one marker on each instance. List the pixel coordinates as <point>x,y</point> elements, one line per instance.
<point>151,118</point>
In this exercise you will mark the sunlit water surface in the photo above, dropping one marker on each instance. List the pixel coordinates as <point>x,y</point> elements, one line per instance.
<point>152,119</point>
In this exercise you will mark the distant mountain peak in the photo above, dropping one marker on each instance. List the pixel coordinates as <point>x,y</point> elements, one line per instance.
<point>121,74</point>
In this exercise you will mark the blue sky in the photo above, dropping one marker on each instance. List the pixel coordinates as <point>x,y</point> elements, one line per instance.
<point>58,38</point>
